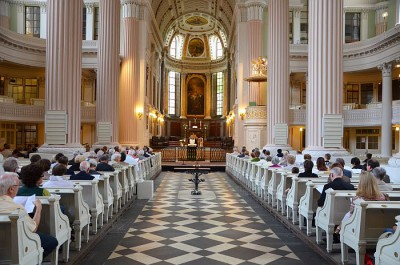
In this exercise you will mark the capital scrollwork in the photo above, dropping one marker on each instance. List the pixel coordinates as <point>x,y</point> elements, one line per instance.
<point>386,69</point>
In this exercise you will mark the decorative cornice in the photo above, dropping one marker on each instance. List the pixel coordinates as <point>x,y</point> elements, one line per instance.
<point>198,66</point>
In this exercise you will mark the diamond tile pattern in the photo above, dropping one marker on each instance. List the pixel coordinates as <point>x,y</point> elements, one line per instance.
<point>222,229</point>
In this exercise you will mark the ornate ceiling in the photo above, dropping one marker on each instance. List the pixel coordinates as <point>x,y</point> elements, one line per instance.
<point>193,15</point>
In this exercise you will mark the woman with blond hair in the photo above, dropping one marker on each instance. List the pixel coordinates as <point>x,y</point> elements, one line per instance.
<point>367,190</point>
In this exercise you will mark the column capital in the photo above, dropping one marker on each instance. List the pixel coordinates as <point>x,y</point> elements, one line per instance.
<point>89,8</point>
<point>43,7</point>
<point>386,69</point>
<point>133,9</point>
<point>251,10</point>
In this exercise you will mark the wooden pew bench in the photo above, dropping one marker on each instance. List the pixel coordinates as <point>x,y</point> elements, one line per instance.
<point>77,211</point>
<point>53,222</point>
<point>337,204</point>
<point>116,188</point>
<point>365,226</point>
<point>18,245</point>
<point>388,249</point>
<point>91,195</point>
<point>108,196</point>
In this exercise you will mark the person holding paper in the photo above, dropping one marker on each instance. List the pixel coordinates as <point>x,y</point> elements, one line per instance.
<point>32,178</point>
<point>9,185</point>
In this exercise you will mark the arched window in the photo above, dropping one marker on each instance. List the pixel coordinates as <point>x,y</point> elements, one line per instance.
<point>216,48</point>
<point>220,92</point>
<point>173,86</point>
<point>175,49</point>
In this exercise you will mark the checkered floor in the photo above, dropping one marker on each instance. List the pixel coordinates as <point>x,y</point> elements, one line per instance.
<point>217,228</point>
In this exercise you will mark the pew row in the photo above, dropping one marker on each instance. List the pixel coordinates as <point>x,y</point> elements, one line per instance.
<point>77,211</point>
<point>387,249</point>
<point>25,247</point>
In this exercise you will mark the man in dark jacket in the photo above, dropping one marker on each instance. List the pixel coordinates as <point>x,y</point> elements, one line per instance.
<point>103,165</point>
<point>337,183</point>
<point>84,166</point>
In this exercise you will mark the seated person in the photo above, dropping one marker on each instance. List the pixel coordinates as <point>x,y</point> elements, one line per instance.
<point>103,165</point>
<point>290,162</point>
<point>336,183</point>
<point>77,161</point>
<point>346,172</point>
<point>64,161</point>
<point>275,162</point>
<point>256,157</point>
<point>57,180</point>
<point>321,165</point>
<point>84,173</point>
<point>93,165</point>
<point>327,158</point>
<point>308,166</point>
<point>35,158</point>
<point>356,163</point>
<point>380,173</point>
<point>32,178</point>
<point>9,185</point>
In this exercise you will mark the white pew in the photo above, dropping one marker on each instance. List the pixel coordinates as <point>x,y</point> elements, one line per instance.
<point>337,204</point>
<point>281,194</point>
<point>308,204</point>
<point>387,249</point>
<point>276,174</point>
<point>77,211</point>
<point>53,222</point>
<point>107,194</point>
<point>365,226</point>
<point>18,245</point>
<point>91,195</point>
<point>116,188</point>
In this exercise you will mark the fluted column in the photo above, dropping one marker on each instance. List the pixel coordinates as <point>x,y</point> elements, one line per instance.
<point>278,68</point>
<point>63,65</point>
<point>296,26</point>
<point>108,68</point>
<point>133,74</point>
<point>364,25</point>
<point>43,20</point>
<point>89,20</point>
<point>325,70</point>
<point>254,25</point>
<point>4,14</point>
<point>386,131</point>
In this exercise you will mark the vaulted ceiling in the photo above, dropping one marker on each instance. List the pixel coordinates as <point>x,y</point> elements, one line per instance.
<point>179,12</point>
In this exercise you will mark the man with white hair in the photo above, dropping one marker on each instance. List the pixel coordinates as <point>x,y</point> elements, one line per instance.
<point>84,173</point>
<point>9,185</point>
<point>130,158</point>
<point>336,183</point>
<point>11,165</point>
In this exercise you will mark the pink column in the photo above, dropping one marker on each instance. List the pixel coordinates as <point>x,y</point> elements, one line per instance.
<point>325,69</point>
<point>133,75</point>
<point>255,50</point>
<point>278,68</point>
<point>108,66</point>
<point>64,63</point>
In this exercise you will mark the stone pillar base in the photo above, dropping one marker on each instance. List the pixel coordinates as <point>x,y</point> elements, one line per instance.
<point>100,145</point>
<point>395,160</point>
<point>68,150</point>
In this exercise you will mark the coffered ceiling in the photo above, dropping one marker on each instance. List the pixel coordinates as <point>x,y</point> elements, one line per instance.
<point>193,15</point>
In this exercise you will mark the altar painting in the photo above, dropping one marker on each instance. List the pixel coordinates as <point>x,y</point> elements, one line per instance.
<point>195,96</point>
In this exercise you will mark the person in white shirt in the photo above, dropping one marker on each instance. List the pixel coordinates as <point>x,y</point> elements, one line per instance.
<point>57,180</point>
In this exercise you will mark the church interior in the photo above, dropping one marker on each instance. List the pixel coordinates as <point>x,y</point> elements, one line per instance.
<point>174,83</point>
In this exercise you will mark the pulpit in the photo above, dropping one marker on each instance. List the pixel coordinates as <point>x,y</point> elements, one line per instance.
<point>191,153</point>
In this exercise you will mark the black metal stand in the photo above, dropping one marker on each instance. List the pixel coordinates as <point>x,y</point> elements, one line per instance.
<point>197,172</point>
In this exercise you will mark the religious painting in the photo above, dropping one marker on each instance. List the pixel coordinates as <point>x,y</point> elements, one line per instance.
<point>196,47</point>
<point>195,96</point>
<point>197,21</point>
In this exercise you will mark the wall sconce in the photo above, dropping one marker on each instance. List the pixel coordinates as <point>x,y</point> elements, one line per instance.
<point>301,129</point>
<point>242,114</point>
<point>397,128</point>
<point>140,115</point>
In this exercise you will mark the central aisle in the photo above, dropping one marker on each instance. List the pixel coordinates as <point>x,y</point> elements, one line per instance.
<point>219,227</point>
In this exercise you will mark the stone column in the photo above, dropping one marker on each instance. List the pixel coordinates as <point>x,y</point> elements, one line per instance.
<point>325,72</point>
<point>89,20</point>
<point>43,19</point>
<point>208,92</point>
<point>386,131</point>
<point>4,14</point>
<point>63,73</point>
<point>132,118</point>
<point>278,70</point>
<point>364,25</point>
<point>20,18</point>
<point>397,10</point>
<point>296,26</point>
<point>254,24</point>
<point>108,70</point>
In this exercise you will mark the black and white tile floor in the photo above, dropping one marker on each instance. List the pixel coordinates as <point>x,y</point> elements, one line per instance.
<point>218,227</point>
